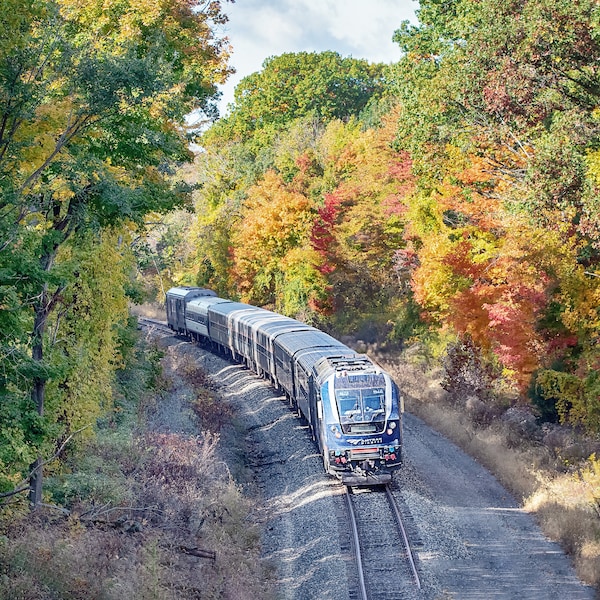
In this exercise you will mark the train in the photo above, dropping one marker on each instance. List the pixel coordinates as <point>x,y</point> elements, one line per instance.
<point>352,406</point>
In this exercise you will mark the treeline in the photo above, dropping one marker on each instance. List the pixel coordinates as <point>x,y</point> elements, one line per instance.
<point>93,98</point>
<point>450,198</point>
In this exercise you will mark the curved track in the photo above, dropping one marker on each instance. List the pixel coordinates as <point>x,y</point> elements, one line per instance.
<point>471,539</point>
<point>155,324</point>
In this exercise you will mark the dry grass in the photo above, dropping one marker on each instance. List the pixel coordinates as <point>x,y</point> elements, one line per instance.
<point>150,310</point>
<point>545,472</point>
<point>144,506</point>
<point>211,412</point>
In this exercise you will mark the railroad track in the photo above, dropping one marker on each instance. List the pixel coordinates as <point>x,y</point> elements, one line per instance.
<point>155,324</point>
<point>385,568</point>
<point>385,565</point>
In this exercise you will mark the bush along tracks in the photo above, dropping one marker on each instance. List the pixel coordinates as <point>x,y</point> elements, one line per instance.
<point>148,508</point>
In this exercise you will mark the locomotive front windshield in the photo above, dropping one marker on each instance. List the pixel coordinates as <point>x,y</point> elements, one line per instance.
<point>361,403</point>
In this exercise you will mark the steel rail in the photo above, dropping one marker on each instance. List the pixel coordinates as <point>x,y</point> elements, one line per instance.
<point>394,506</point>
<point>356,544</point>
<point>159,325</point>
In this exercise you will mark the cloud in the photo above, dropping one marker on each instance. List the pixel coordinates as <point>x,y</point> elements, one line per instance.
<point>258,29</point>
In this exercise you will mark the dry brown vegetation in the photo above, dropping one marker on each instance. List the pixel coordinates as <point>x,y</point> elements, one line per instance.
<point>552,470</point>
<point>148,510</point>
<point>150,310</point>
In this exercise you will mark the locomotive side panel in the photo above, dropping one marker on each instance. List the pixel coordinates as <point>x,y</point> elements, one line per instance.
<point>304,369</point>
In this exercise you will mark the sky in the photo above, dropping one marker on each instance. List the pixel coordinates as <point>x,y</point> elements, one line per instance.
<point>258,29</point>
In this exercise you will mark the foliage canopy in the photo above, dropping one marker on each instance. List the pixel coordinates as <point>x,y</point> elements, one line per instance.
<point>93,97</point>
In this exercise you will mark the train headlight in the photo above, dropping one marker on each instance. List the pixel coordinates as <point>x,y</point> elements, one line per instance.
<point>335,431</point>
<point>338,457</point>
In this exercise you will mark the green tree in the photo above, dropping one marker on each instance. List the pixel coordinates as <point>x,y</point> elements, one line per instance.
<point>92,104</point>
<point>324,85</point>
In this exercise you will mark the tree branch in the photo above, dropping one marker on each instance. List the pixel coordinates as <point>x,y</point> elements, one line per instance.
<point>21,487</point>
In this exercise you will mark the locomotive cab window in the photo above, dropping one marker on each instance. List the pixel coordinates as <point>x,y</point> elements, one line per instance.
<point>374,403</point>
<point>348,403</point>
<point>361,404</point>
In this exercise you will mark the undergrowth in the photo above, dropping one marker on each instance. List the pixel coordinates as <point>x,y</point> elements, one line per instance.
<point>141,511</point>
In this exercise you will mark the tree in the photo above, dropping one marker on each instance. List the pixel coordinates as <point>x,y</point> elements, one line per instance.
<point>324,85</point>
<point>92,101</point>
<point>274,225</point>
<point>499,117</point>
<point>275,124</point>
<point>360,224</point>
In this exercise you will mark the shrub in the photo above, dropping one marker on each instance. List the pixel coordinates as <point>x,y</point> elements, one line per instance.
<point>466,373</point>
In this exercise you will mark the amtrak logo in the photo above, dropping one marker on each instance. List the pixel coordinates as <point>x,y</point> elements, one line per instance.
<point>362,442</point>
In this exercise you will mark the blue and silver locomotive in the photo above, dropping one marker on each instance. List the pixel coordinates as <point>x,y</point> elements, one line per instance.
<point>352,406</point>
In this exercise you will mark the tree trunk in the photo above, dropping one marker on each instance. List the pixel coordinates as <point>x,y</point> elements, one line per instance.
<point>38,391</point>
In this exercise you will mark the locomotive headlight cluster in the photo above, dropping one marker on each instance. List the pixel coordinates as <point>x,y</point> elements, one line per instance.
<point>391,453</point>
<point>338,457</point>
<point>391,427</point>
<point>336,432</point>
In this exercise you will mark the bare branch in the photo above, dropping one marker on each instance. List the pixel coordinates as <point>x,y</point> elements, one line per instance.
<point>69,133</point>
<point>199,552</point>
<point>21,487</point>
<point>14,492</point>
<point>105,511</point>
<point>62,509</point>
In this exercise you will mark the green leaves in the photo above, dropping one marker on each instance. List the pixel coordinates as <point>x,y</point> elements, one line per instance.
<point>93,96</point>
<point>290,86</point>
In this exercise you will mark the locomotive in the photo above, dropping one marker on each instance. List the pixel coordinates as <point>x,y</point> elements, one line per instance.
<point>353,407</point>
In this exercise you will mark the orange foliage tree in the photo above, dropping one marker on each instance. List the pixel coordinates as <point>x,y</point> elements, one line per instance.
<point>270,245</point>
<point>360,225</point>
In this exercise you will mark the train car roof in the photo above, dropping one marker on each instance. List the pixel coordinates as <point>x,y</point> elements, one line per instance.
<point>187,292</point>
<point>282,324</point>
<point>258,314</point>
<point>257,321</point>
<point>200,302</point>
<point>227,308</point>
<point>293,341</point>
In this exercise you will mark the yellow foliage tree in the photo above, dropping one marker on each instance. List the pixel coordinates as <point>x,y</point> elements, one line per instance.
<point>273,222</point>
